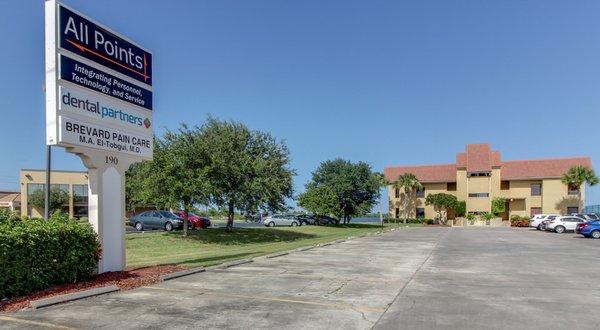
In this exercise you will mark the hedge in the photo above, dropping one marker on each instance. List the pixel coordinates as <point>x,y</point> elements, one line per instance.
<point>410,220</point>
<point>517,221</point>
<point>36,254</point>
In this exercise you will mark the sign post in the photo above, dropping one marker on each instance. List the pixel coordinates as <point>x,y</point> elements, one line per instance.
<point>99,107</point>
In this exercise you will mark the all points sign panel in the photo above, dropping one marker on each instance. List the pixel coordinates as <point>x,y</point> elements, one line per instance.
<point>98,87</point>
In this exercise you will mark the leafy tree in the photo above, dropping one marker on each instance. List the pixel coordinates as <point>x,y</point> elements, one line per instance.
<point>246,169</point>
<point>320,201</point>
<point>498,205</point>
<point>441,202</point>
<point>410,183</point>
<point>176,177</point>
<point>461,208</point>
<point>577,176</point>
<point>343,189</point>
<point>58,198</point>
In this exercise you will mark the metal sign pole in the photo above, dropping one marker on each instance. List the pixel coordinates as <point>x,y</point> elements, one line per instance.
<point>47,190</point>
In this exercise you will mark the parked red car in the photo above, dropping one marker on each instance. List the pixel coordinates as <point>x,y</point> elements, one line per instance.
<point>197,221</point>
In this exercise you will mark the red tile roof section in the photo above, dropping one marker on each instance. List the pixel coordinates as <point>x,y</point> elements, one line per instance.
<point>479,158</point>
<point>543,168</point>
<point>427,173</point>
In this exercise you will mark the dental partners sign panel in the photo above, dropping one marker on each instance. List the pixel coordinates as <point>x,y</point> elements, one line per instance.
<point>98,86</point>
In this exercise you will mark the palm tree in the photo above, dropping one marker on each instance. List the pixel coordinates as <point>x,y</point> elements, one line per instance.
<point>577,176</point>
<point>409,182</point>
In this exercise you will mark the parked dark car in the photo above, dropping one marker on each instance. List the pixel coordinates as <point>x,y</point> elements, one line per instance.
<point>306,219</point>
<point>589,229</point>
<point>326,220</point>
<point>157,220</point>
<point>197,221</point>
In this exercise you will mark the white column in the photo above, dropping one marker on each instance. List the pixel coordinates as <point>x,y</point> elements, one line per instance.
<point>106,205</point>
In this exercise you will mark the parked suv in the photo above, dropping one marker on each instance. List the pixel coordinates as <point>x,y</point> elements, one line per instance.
<point>564,223</point>
<point>588,217</point>
<point>536,220</point>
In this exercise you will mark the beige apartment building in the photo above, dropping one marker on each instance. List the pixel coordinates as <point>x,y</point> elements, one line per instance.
<point>479,175</point>
<point>75,183</point>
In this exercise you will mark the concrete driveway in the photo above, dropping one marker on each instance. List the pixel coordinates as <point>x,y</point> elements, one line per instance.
<point>415,278</point>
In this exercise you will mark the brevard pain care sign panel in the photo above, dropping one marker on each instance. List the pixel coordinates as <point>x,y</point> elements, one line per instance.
<point>99,86</point>
<point>99,137</point>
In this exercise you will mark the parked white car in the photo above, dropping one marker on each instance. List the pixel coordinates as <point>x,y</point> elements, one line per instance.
<point>536,220</point>
<point>564,223</point>
<point>281,220</point>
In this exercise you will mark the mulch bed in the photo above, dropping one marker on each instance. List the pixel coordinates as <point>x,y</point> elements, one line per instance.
<point>125,280</point>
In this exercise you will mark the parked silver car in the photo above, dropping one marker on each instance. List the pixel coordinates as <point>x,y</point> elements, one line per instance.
<point>281,220</point>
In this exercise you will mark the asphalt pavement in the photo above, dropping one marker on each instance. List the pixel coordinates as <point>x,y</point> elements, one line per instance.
<point>415,278</point>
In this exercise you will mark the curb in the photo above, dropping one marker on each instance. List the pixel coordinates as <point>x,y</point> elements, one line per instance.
<point>305,248</point>
<point>275,255</point>
<point>72,296</point>
<point>182,273</point>
<point>234,263</point>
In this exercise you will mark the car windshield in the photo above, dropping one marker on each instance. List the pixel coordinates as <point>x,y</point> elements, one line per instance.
<point>593,216</point>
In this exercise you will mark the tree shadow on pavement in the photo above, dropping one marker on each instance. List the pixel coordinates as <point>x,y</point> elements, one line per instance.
<point>244,236</point>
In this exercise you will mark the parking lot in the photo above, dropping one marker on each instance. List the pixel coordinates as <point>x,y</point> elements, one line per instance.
<point>414,278</point>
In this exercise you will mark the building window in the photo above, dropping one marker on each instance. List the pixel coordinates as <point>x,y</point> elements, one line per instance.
<point>420,212</point>
<point>421,192</point>
<point>572,209</point>
<point>479,195</point>
<point>573,190</point>
<point>451,186</point>
<point>32,187</point>
<point>472,174</point>
<point>536,189</point>
<point>80,211</point>
<point>397,213</point>
<point>397,193</point>
<point>80,193</point>
<point>536,211</point>
<point>504,185</point>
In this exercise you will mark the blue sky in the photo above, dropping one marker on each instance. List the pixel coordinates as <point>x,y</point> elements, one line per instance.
<point>387,82</point>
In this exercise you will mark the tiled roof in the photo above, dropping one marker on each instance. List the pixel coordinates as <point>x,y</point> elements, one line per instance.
<point>480,158</point>
<point>426,173</point>
<point>12,197</point>
<point>543,168</point>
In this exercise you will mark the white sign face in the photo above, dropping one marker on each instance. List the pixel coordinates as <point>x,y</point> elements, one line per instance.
<point>76,102</point>
<point>75,132</point>
<point>98,96</point>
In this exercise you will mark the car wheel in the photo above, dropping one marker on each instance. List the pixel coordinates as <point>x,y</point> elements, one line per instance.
<point>168,226</point>
<point>271,224</point>
<point>139,226</point>
<point>559,229</point>
<point>294,224</point>
<point>539,227</point>
<point>595,234</point>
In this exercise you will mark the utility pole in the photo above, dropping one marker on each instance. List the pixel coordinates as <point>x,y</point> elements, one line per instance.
<point>47,190</point>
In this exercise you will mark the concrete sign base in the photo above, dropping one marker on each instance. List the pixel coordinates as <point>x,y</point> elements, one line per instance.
<point>106,204</point>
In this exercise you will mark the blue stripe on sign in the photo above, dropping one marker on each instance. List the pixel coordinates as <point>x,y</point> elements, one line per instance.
<point>105,83</point>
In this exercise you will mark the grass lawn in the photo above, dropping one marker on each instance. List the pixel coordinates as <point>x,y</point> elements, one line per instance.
<point>214,245</point>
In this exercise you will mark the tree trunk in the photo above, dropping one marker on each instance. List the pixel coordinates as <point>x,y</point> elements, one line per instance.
<point>406,194</point>
<point>186,218</point>
<point>230,210</point>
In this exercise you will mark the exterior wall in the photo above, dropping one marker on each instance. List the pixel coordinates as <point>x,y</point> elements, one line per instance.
<point>556,198</point>
<point>56,177</point>
<point>461,185</point>
<point>478,185</point>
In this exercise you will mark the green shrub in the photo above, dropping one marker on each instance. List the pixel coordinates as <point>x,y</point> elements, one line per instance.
<point>36,254</point>
<point>7,215</point>
<point>401,220</point>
